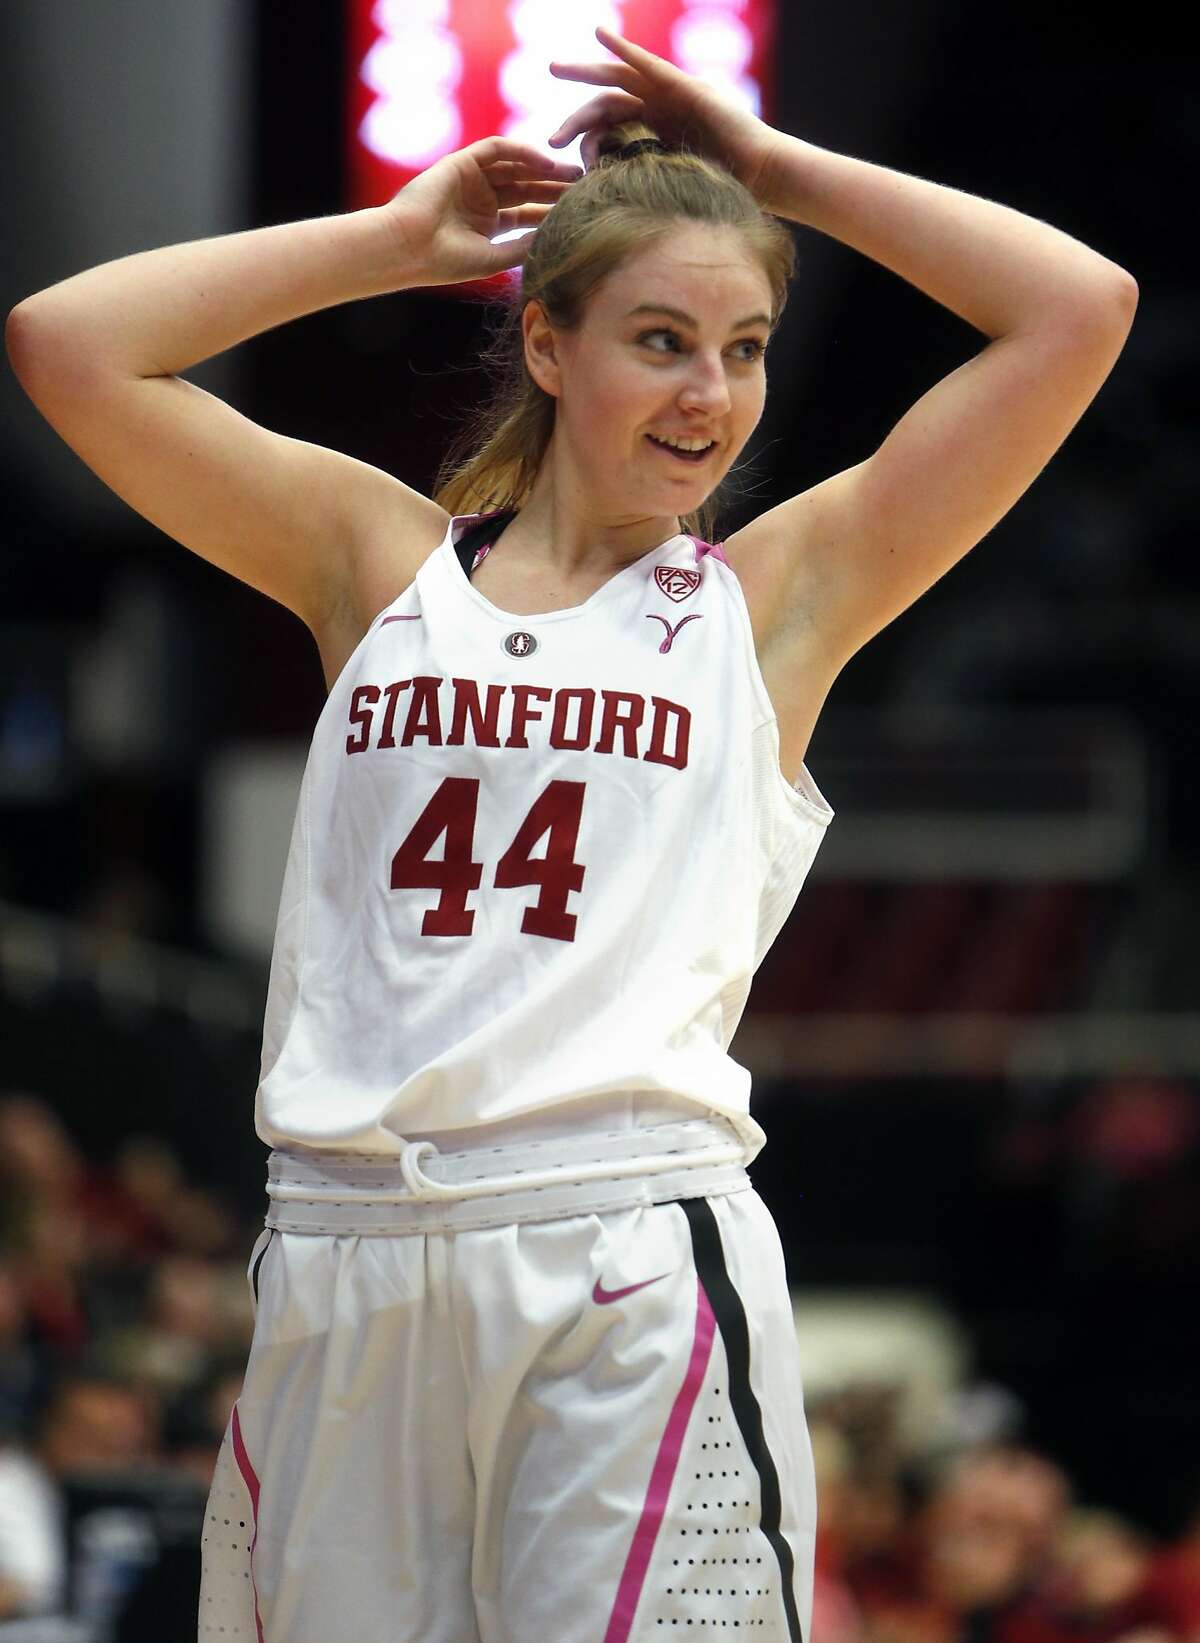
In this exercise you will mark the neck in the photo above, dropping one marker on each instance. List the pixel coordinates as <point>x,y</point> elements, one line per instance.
<point>576,536</point>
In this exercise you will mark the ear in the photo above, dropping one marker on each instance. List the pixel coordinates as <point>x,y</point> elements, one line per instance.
<point>541,354</point>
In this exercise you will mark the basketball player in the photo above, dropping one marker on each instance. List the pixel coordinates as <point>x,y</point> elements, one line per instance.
<point>524,1367</point>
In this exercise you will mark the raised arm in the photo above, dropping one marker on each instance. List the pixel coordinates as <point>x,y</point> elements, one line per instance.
<point>100,352</point>
<point>826,570</point>
<point>845,557</point>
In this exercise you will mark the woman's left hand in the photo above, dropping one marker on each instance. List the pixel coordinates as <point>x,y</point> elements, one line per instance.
<point>677,105</point>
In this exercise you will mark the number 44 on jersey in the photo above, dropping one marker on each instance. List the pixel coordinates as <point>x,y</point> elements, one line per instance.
<point>452,811</point>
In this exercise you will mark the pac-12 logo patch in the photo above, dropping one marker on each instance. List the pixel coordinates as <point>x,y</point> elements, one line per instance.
<point>520,643</point>
<point>675,582</point>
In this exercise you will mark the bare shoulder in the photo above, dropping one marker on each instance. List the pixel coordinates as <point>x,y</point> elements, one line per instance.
<point>776,558</point>
<point>394,531</point>
<point>755,557</point>
<point>768,562</point>
<point>770,557</point>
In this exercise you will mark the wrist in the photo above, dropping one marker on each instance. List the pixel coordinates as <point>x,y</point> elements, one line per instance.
<point>388,249</point>
<point>784,183</point>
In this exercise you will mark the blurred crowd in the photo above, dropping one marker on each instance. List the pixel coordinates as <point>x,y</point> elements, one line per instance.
<point>980,1542</point>
<point>125,1317</point>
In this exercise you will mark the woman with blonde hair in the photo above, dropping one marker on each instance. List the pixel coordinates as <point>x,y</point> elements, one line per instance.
<point>524,1363</point>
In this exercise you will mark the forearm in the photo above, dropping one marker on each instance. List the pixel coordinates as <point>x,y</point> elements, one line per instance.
<point>156,313</point>
<point>996,268</point>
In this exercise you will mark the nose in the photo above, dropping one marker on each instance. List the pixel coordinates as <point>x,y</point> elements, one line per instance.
<point>705,386</point>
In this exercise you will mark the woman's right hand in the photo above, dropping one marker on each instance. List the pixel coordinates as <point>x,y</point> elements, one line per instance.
<point>446,218</point>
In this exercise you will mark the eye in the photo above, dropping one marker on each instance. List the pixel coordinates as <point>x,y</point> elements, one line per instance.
<point>758,349</point>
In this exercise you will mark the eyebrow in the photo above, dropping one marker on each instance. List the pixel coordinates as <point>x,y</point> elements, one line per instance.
<point>686,319</point>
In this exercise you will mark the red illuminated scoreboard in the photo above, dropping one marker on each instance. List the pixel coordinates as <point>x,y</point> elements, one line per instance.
<point>430,76</point>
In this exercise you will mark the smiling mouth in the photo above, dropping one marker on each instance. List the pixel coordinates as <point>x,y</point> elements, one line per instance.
<point>694,458</point>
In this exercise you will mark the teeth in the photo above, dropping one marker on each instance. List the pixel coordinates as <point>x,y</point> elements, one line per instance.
<point>685,444</point>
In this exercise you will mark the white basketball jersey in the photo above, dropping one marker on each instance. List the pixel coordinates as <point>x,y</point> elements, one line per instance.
<point>535,862</point>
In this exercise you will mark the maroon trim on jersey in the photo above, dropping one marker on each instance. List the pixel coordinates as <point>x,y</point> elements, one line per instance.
<point>717,549</point>
<point>250,1479</point>
<point>388,619</point>
<point>475,521</point>
<point>666,1462</point>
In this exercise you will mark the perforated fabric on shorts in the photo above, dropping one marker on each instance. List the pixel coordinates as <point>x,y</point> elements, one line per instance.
<point>725,1555</point>
<point>227,1596</point>
<point>714,1565</point>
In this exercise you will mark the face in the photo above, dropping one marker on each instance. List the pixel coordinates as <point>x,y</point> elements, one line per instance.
<point>623,378</point>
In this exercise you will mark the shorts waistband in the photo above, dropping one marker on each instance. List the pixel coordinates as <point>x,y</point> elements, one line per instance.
<point>425,1190</point>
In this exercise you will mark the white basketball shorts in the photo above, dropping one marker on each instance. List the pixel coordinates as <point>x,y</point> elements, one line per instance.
<point>587,1428</point>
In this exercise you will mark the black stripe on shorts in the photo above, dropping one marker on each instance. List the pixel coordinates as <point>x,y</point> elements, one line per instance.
<point>730,1315</point>
<point>254,1274</point>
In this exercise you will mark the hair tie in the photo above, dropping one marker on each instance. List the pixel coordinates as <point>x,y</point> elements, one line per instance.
<point>641,145</point>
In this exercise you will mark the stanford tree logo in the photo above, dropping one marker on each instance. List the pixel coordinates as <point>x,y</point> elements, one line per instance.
<point>520,643</point>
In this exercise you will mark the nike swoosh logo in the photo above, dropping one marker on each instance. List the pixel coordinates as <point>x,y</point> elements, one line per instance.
<point>603,1296</point>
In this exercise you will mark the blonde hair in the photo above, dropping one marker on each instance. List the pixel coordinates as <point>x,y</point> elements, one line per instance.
<point>619,207</point>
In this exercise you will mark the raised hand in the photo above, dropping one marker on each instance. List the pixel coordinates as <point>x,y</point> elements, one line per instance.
<point>446,218</point>
<point>677,105</point>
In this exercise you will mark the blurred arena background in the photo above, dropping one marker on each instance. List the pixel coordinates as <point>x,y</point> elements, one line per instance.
<point>975,1044</point>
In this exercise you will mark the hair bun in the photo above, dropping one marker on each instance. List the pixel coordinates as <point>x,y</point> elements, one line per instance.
<point>641,145</point>
<point>611,146</point>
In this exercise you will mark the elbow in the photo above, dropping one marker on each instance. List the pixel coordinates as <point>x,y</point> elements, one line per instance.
<point>46,355</point>
<point>1126,292</point>
<point>16,339</point>
<point>28,342</point>
<point>1102,313</point>
<point>1126,301</point>
<point>1123,295</point>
